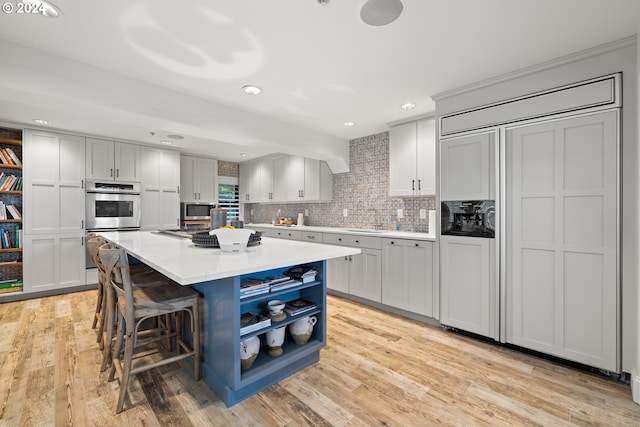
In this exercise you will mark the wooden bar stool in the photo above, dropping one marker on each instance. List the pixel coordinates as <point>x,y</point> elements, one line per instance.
<point>133,307</point>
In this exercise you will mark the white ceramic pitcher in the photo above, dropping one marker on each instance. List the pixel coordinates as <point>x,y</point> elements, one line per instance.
<point>303,326</point>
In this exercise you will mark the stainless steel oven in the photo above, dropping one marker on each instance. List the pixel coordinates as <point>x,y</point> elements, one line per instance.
<point>112,206</point>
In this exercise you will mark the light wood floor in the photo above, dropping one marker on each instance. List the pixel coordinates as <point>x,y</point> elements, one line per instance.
<point>377,369</point>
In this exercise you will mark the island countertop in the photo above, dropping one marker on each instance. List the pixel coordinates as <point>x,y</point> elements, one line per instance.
<point>182,261</point>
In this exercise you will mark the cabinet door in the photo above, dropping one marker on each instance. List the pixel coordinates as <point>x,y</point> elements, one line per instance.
<point>100,159</point>
<point>338,274</point>
<point>402,160</point>
<point>187,179</point>
<point>280,179</point>
<point>53,262</point>
<point>127,162</point>
<point>266,179</point>
<point>160,188</point>
<point>426,157</point>
<point>407,275</point>
<point>465,284</point>
<point>54,182</point>
<point>294,178</point>
<point>206,174</point>
<point>366,275</point>
<point>311,188</point>
<point>562,231</point>
<point>326,182</point>
<point>465,167</point>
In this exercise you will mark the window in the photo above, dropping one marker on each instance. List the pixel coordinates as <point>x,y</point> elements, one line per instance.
<point>229,199</point>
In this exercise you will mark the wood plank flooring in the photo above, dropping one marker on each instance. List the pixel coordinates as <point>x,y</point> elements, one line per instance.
<point>377,370</point>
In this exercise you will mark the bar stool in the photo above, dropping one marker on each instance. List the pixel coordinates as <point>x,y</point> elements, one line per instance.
<point>141,276</point>
<point>133,307</point>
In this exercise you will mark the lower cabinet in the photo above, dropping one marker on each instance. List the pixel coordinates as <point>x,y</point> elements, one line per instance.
<point>53,262</point>
<point>408,275</point>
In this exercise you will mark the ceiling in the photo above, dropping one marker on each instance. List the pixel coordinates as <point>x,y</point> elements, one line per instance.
<point>140,70</point>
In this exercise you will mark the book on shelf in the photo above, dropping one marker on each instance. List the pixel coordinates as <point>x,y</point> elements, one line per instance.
<point>252,321</point>
<point>305,273</point>
<point>12,154</point>
<point>299,306</point>
<point>14,211</point>
<point>253,293</point>
<point>274,279</point>
<point>285,285</point>
<point>9,290</point>
<point>251,283</point>
<point>11,283</point>
<point>4,157</point>
<point>18,237</point>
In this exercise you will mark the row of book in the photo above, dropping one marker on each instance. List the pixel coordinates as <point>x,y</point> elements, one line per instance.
<point>250,287</point>
<point>6,241</point>
<point>12,285</point>
<point>10,182</point>
<point>9,157</point>
<point>252,321</point>
<point>11,210</point>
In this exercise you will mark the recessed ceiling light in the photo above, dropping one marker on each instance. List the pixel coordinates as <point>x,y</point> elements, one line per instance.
<point>244,154</point>
<point>175,136</point>
<point>348,124</point>
<point>408,106</point>
<point>252,90</point>
<point>166,142</point>
<point>45,8</point>
<point>42,122</point>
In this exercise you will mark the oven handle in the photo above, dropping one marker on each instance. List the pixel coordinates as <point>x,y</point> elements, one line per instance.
<point>133,193</point>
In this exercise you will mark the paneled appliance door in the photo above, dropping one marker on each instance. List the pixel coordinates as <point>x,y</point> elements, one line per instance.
<point>561,238</point>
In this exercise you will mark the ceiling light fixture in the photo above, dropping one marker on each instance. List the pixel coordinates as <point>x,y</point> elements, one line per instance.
<point>244,154</point>
<point>175,136</point>
<point>408,106</point>
<point>166,142</point>
<point>380,12</point>
<point>252,90</point>
<point>348,124</point>
<point>42,122</point>
<point>45,8</point>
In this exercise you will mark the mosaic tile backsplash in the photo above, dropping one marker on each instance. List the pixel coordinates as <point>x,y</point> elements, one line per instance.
<point>363,191</point>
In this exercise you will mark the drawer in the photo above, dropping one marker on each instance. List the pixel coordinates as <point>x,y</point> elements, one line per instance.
<point>287,234</point>
<point>311,236</point>
<point>352,240</point>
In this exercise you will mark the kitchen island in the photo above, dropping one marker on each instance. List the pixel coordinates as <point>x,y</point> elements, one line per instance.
<point>216,275</point>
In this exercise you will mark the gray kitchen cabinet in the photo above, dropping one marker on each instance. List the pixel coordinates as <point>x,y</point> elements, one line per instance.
<point>266,167</point>
<point>112,161</point>
<point>53,176</point>
<point>198,179</point>
<point>465,167</point>
<point>561,231</point>
<point>412,159</point>
<point>249,182</point>
<point>408,275</point>
<point>287,233</point>
<point>53,261</point>
<point>160,189</point>
<point>469,289</point>
<point>295,179</point>
<point>360,275</point>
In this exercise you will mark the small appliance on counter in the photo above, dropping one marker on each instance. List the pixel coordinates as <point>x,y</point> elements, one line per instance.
<point>471,218</point>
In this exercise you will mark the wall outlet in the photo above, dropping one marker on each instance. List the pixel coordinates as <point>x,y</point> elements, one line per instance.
<point>345,212</point>
<point>400,214</point>
<point>423,214</point>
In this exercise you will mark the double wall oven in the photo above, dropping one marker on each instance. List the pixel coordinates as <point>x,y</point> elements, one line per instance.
<point>112,206</point>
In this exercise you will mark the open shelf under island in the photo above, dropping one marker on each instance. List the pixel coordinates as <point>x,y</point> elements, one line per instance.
<point>217,275</point>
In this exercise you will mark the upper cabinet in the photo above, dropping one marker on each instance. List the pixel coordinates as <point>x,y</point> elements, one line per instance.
<point>284,178</point>
<point>466,165</point>
<point>110,160</point>
<point>198,179</point>
<point>160,188</point>
<point>412,159</point>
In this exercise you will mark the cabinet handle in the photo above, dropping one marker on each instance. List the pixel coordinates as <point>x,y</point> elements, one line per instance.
<point>195,196</point>
<point>357,241</point>
<point>417,245</point>
<point>117,172</point>
<point>311,237</point>
<point>82,224</point>
<point>178,221</point>
<point>82,241</point>
<point>413,185</point>
<point>339,239</point>
<point>346,258</point>
<point>111,172</point>
<point>350,258</point>
<point>302,193</point>
<point>178,189</point>
<point>419,185</point>
<point>393,243</point>
<point>82,184</point>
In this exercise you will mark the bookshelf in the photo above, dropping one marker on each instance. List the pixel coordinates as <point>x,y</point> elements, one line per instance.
<point>10,195</point>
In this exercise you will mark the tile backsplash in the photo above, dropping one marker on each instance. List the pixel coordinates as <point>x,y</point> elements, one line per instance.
<point>363,192</point>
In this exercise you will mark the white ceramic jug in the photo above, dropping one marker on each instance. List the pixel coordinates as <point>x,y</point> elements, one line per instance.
<point>303,326</point>
<point>275,339</point>
<point>249,350</point>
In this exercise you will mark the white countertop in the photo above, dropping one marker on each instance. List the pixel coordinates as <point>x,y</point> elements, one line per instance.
<point>182,261</point>
<point>360,232</point>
